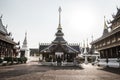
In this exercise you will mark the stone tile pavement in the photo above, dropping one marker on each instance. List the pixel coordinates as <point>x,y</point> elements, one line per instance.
<point>34,71</point>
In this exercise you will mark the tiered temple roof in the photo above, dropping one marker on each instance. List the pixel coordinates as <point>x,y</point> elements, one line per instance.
<point>45,46</point>
<point>4,36</point>
<point>59,44</point>
<point>2,28</point>
<point>115,27</point>
<point>117,16</point>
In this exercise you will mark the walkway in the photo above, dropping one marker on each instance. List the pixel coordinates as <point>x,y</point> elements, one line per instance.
<point>33,71</point>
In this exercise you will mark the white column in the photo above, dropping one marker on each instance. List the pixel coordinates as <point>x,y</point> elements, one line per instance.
<point>86,61</point>
<point>96,58</point>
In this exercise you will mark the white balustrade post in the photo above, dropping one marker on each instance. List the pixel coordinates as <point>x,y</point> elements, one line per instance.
<point>86,61</point>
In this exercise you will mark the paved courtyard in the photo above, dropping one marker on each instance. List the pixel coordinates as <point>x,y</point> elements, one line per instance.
<point>34,71</point>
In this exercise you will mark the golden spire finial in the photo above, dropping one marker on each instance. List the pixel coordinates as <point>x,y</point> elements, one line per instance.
<point>59,26</point>
<point>59,9</point>
<point>25,34</point>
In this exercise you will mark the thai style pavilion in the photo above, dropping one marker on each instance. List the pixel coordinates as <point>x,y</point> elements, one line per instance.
<point>7,45</point>
<point>59,48</point>
<point>109,43</point>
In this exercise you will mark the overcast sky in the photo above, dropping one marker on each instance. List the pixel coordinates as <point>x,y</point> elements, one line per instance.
<point>39,18</point>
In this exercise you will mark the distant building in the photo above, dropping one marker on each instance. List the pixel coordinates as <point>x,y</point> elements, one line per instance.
<point>85,49</point>
<point>8,47</point>
<point>34,52</point>
<point>59,50</point>
<point>109,43</point>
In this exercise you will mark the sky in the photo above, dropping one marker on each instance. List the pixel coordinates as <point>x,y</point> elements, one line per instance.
<point>80,19</point>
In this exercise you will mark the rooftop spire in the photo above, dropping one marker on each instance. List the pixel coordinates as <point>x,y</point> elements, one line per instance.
<point>105,31</point>
<point>92,38</point>
<point>59,26</point>
<point>83,43</point>
<point>25,34</point>
<point>87,43</point>
<point>105,25</point>
<point>25,40</point>
<point>59,34</point>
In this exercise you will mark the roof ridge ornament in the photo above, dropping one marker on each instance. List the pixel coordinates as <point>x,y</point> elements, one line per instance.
<point>105,25</point>
<point>117,7</point>
<point>92,38</point>
<point>6,26</point>
<point>105,31</point>
<point>1,16</point>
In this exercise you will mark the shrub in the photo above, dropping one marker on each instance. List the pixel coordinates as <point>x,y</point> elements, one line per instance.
<point>1,60</point>
<point>22,60</point>
<point>89,59</point>
<point>15,60</point>
<point>47,59</point>
<point>11,60</point>
<point>8,59</point>
<point>5,58</point>
<point>80,60</point>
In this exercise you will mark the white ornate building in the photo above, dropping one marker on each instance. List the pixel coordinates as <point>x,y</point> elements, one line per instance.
<point>24,51</point>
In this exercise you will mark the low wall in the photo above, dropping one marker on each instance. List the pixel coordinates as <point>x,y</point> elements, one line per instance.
<point>112,62</point>
<point>31,58</point>
<point>62,64</point>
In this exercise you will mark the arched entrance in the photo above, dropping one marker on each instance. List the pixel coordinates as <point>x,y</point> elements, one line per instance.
<point>59,58</point>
